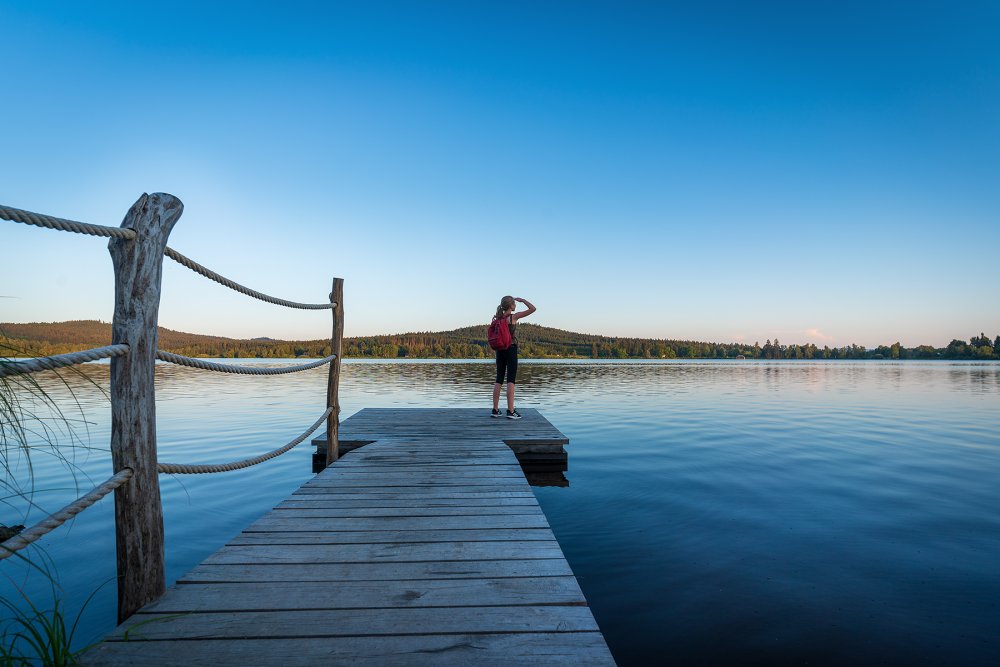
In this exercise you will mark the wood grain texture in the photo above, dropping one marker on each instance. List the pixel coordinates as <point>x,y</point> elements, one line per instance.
<point>333,378</point>
<point>138,270</point>
<point>386,571</point>
<point>410,550</point>
<point>580,649</point>
<point>355,622</point>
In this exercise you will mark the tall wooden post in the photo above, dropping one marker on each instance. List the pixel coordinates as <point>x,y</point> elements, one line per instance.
<point>333,384</point>
<point>138,265</point>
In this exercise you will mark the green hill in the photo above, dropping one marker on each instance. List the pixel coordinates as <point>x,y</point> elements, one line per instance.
<point>46,338</point>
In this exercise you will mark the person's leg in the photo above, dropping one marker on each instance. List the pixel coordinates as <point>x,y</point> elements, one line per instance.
<point>511,376</point>
<point>501,371</point>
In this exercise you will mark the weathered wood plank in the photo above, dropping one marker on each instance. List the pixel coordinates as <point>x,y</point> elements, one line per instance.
<point>360,487</point>
<point>580,649</point>
<point>393,536</point>
<point>403,523</point>
<point>387,474</point>
<point>416,509</point>
<point>424,546</point>
<point>381,467</point>
<point>261,596</point>
<point>354,622</point>
<point>425,501</point>
<point>389,571</point>
<point>452,492</point>
<point>375,553</point>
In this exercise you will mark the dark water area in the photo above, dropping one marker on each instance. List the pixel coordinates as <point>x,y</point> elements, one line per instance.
<point>772,513</point>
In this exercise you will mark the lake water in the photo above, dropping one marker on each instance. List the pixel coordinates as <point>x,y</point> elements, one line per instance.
<point>822,513</point>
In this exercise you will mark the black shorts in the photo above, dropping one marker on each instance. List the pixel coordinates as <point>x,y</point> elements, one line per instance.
<point>507,364</point>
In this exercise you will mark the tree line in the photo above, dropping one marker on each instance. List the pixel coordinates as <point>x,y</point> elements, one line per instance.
<point>42,339</point>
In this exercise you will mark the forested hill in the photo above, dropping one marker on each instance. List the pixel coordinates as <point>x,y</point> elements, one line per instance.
<point>38,339</point>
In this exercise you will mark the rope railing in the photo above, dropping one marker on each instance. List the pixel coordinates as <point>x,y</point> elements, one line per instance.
<point>222,280</point>
<point>51,222</point>
<point>26,537</point>
<point>245,370</point>
<point>61,360</point>
<point>138,273</point>
<point>180,468</point>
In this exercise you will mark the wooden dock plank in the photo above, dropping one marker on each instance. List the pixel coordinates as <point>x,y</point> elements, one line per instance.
<point>357,622</point>
<point>320,501</point>
<point>440,510</point>
<point>424,546</point>
<point>418,492</point>
<point>378,552</point>
<point>263,596</point>
<point>580,649</point>
<point>385,571</point>
<point>392,536</point>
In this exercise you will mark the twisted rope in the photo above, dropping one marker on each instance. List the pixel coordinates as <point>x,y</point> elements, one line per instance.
<point>212,275</point>
<point>245,370</point>
<point>179,468</point>
<point>26,537</point>
<point>60,360</point>
<point>39,220</point>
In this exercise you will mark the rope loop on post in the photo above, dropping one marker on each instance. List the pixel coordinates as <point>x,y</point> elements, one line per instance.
<point>26,537</point>
<point>51,222</point>
<point>179,468</point>
<point>60,360</point>
<point>222,280</point>
<point>244,370</point>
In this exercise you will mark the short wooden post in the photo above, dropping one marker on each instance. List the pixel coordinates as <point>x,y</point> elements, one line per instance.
<point>333,383</point>
<point>138,265</point>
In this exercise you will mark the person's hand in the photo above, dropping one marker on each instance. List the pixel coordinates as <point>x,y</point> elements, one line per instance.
<point>518,299</point>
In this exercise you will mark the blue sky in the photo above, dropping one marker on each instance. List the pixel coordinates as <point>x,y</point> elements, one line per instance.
<point>816,172</point>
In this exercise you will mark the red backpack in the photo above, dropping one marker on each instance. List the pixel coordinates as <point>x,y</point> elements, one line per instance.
<point>498,334</point>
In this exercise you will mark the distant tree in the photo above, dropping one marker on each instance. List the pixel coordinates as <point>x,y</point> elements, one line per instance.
<point>895,351</point>
<point>956,348</point>
<point>978,341</point>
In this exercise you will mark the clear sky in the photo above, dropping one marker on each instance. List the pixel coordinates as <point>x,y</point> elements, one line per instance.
<point>819,172</point>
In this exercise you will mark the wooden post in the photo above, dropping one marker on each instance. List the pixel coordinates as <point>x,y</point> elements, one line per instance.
<point>333,384</point>
<point>138,265</point>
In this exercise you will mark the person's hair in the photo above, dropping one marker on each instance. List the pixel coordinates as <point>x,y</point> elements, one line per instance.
<point>505,303</point>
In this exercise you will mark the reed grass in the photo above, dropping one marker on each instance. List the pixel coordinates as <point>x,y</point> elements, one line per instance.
<point>36,636</point>
<point>33,424</point>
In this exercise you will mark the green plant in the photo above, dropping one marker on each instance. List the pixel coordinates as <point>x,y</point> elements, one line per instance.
<point>32,423</point>
<point>34,636</point>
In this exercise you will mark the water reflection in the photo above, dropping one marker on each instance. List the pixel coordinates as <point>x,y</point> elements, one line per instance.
<point>544,478</point>
<point>822,512</point>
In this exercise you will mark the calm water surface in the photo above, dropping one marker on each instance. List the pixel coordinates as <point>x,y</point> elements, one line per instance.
<point>814,513</point>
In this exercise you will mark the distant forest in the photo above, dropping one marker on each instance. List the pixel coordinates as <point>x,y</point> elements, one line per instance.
<point>537,342</point>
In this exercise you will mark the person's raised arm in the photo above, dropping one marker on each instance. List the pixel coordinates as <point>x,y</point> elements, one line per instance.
<point>527,303</point>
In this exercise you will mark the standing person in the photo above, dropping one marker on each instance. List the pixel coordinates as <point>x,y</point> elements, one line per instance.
<point>507,359</point>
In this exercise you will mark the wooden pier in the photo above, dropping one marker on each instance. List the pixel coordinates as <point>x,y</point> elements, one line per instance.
<point>424,545</point>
